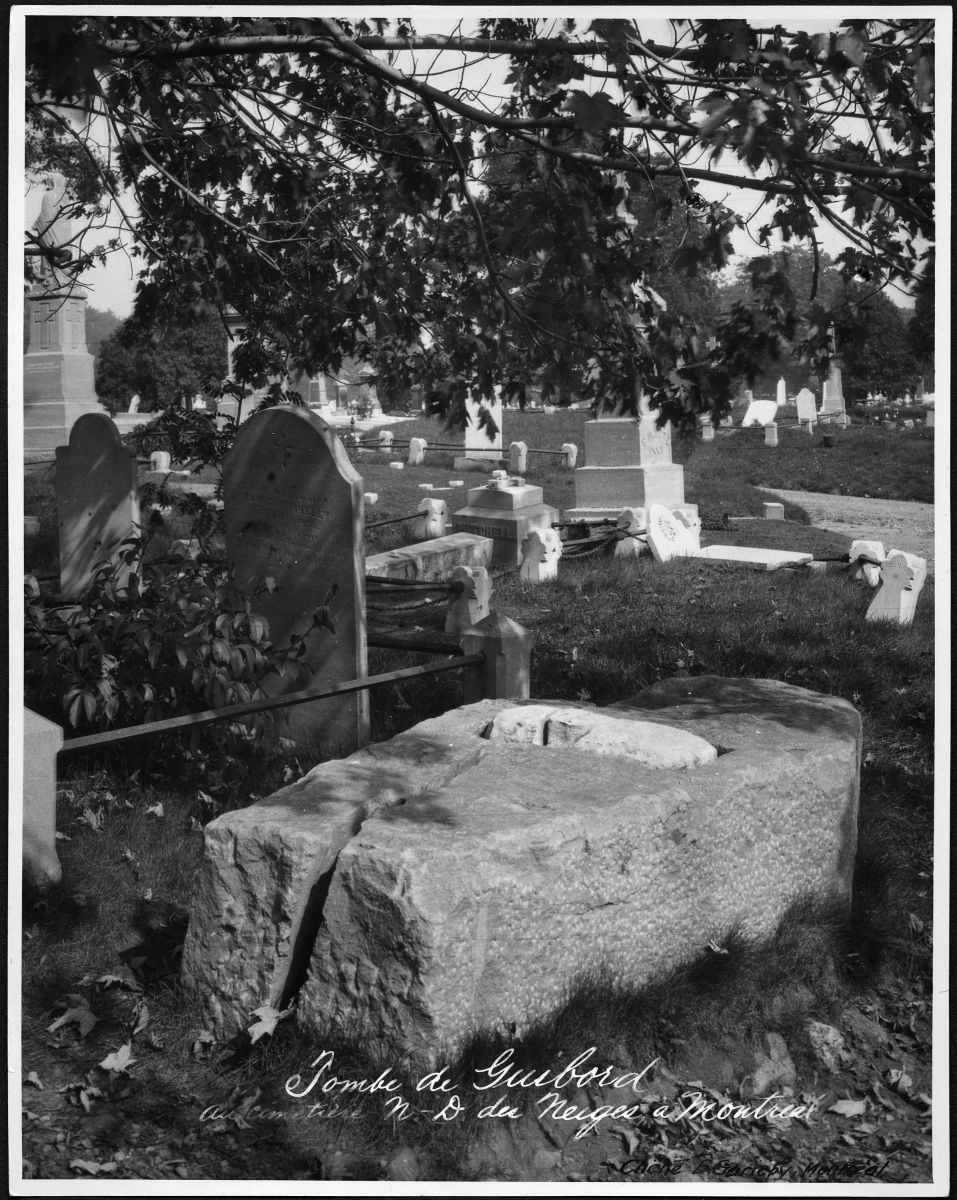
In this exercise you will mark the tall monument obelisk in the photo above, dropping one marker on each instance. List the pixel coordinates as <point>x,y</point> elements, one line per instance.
<point>57,367</point>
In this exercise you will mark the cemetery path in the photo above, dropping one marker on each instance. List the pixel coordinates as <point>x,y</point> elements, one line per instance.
<point>899,524</point>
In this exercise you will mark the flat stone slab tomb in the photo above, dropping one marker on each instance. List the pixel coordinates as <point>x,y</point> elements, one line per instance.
<point>463,875</point>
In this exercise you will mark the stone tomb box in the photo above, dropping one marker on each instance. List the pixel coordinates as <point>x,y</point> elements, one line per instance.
<point>473,868</point>
<point>505,510</point>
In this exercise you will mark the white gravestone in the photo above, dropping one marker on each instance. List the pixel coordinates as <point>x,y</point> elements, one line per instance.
<point>541,550</point>
<point>760,412</point>
<point>478,444</point>
<point>417,448</point>
<point>870,572</point>
<point>385,440</point>
<point>434,519</point>
<point>160,462</point>
<point>806,407</point>
<point>570,454</point>
<point>294,513</point>
<point>471,604</point>
<point>667,536</point>
<point>902,577</point>
<point>518,458</point>
<point>782,393</point>
<point>771,434</point>
<point>97,504</point>
<point>692,523</point>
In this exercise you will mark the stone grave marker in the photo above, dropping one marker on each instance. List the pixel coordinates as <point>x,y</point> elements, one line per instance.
<point>293,510</point>
<point>870,572</point>
<point>755,557</point>
<point>806,405</point>
<point>517,458</point>
<point>570,454</point>
<point>471,604</point>
<point>478,445</point>
<point>97,504</point>
<point>417,448</point>
<point>434,519</point>
<point>505,510</point>
<point>771,434</point>
<point>902,577</point>
<point>760,412</point>
<point>628,465</point>
<point>541,550</point>
<point>668,538</point>
<point>781,395</point>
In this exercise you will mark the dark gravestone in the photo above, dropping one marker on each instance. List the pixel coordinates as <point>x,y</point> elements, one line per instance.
<point>293,510</point>
<point>97,506</point>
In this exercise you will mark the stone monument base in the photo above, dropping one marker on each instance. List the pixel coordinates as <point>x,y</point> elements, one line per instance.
<point>505,511</point>
<point>613,488</point>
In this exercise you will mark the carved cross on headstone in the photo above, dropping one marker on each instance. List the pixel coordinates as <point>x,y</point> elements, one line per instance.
<point>76,321</point>
<point>43,317</point>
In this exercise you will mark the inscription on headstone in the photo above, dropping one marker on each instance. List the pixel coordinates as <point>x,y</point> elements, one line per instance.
<point>97,505</point>
<point>293,511</point>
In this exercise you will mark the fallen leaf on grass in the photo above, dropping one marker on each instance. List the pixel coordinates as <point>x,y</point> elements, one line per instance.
<point>268,1019</point>
<point>92,1168</point>
<point>79,1014</point>
<point>202,1043</point>
<point>156,810</point>
<point>34,1078</point>
<point>849,1108</point>
<point>119,1060</point>
<point>141,1018</point>
<point>121,977</point>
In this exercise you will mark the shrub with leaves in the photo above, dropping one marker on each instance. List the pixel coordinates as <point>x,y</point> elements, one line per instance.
<point>148,641</point>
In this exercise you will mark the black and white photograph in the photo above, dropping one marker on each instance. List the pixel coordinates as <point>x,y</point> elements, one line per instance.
<point>479,703</point>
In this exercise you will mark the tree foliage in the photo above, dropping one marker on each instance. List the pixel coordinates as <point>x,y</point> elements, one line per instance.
<point>871,332</point>
<point>324,179</point>
<point>163,365</point>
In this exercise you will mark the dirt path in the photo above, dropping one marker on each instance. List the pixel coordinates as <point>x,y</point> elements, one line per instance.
<point>899,524</point>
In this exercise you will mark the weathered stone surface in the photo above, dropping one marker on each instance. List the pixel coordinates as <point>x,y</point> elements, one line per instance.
<point>654,746</point>
<point>433,560</point>
<point>258,896</point>
<point>477,904</point>
<point>42,740</point>
<point>760,412</point>
<point>97,505</point>
<point>755,557</point>
<point>294,514</point>
<point>902,578</point>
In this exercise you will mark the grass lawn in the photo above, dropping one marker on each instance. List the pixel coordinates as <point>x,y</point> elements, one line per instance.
<point>132,829</point>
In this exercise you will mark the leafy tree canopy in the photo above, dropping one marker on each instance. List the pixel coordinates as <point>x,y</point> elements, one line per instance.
<point>163,364</point>
<point>323,178</point>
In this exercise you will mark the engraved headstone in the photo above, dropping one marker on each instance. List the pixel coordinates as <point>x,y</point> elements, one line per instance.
<point>570,454</point>
<point>470,605</point>
<point>667,536</point>
<point>628,465</point>
<point>902,577</point>
<point>417,448</point>
<point>293,511</point>
<point>771,434</point>
<point>505,510</point>
<point>97,505</point>
<point>781,394</point>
